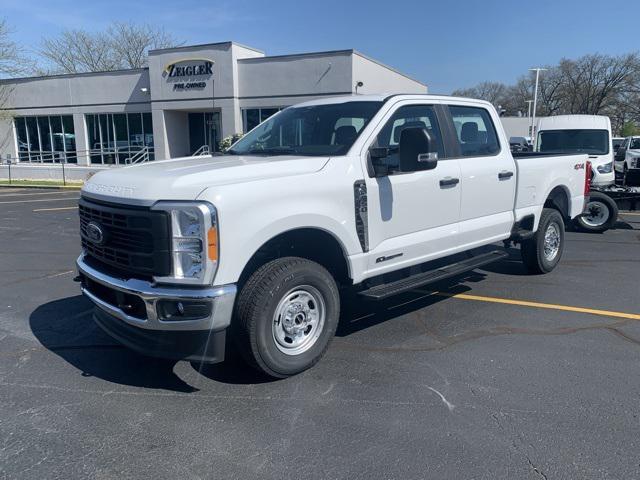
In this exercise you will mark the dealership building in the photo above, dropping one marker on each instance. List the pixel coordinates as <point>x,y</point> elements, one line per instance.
<point>185,102</point>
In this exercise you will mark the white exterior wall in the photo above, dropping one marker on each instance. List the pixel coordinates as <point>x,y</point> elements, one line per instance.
<point>242,78</point>
<point>378,78</point>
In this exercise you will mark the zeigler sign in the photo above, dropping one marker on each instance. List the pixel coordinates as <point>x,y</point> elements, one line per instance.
<point>189,73</point>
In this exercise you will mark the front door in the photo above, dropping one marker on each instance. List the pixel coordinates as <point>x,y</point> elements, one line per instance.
<point>413,217</point>
<point>204,128</point>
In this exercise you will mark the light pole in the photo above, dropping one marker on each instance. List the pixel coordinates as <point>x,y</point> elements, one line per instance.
<point>529,102</point>
<point>535,103</point>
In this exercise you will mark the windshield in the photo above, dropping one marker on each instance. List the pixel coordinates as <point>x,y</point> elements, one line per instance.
<point>574,141</point>
<point>635,144</point>
<point>317,130</point>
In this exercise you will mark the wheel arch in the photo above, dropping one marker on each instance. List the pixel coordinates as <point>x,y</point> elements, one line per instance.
<point>312,243</point>
<point>559,198</point>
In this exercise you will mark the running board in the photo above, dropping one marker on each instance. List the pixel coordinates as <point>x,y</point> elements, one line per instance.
<point>380,292</point>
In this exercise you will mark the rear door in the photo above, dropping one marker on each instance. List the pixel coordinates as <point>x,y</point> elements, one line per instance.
<point>488,177</point>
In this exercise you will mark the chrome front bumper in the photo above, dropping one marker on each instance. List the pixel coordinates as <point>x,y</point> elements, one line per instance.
<point>221,298</point>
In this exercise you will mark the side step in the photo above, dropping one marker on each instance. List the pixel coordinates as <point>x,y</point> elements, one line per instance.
<point>380,292</point>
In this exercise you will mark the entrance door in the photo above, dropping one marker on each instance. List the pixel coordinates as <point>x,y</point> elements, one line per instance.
<point>204,129</point>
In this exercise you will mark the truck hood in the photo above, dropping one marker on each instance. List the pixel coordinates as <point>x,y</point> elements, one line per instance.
<point>185,178</point>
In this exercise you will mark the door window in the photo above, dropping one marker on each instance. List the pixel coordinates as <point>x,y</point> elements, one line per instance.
<point>475,131</point>
<point>421,116</point>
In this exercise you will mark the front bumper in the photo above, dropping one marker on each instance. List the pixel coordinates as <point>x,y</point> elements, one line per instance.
<point>128,310</point>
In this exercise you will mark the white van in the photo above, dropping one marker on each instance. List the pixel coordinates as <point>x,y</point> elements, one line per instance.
<point>589,134</point>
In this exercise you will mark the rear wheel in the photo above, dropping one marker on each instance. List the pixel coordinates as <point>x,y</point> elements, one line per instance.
<point>601,213</point>
<point>542,252</point>
<point>286,315</point>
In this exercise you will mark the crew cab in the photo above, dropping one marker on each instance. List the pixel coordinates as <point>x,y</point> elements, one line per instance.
<point>627,160</point>
<point>590,134</point>
<point>374,194</point>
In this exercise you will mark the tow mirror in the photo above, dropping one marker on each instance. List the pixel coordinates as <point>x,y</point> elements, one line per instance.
<point>415,150</point>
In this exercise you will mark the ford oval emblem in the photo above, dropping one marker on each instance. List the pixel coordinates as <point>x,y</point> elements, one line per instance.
<point>95,233</point>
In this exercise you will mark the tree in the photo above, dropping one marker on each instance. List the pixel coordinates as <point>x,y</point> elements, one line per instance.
<point>629,129</point>
<point>592,84</point>
<point>12,63</point>
<point>121,45</point>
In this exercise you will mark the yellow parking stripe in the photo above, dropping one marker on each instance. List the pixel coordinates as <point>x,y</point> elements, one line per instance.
<point>549,306</point>
<point>54,209</point>
<point>629,213</point>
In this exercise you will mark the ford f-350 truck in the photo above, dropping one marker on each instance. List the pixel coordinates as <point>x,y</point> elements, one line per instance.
<point>379,194</point>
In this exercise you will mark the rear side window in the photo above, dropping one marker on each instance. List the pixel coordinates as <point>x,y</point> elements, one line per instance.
<point>409,116</point>
<point>475,131</point>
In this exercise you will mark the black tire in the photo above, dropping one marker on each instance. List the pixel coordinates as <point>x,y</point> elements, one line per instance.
<point>533,249</point>
<point>254,319</point>
<point>596,202</point>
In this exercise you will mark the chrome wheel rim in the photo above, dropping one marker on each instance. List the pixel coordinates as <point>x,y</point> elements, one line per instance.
<point>298,320</point>
<point>598,214</point>
<point>551,241</point>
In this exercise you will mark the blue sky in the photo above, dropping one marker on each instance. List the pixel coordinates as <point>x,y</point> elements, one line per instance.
<point>446,44</point>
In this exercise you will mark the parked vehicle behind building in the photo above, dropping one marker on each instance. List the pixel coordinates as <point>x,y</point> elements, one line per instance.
<point>627,161</point>
<point>372,193</point>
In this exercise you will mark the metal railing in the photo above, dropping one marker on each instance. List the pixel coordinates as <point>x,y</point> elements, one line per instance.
<point>202,151</point>
<point>141,156</point>
<point>98,156</point>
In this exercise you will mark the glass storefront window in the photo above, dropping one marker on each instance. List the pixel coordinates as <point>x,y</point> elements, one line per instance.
<point>117,137</point>
<point>255,116</point>
<point>46,138</point>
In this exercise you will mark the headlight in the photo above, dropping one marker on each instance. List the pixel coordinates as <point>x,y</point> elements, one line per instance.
<point>606,168</point>
<point>194,241</point>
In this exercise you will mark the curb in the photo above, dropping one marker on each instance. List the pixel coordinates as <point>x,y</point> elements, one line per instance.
<point>50,187</point>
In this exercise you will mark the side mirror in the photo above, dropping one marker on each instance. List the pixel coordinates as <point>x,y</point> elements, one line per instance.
<point>620,154</point>
<point>415,150</point>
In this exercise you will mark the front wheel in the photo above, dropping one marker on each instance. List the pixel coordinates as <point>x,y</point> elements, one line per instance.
<point>286,316</point>
<point>541,253</point>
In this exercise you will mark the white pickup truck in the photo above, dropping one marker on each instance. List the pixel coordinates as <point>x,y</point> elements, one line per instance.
<point>380,194</point>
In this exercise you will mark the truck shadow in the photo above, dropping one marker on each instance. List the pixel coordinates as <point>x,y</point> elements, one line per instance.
<point>66,328</point>
<point>359,314</point>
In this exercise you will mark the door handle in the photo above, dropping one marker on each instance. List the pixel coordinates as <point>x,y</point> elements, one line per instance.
<point>505,174</point>
<point>448,181</point>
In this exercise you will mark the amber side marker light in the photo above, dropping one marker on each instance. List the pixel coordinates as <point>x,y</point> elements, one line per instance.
<point>212,244</point>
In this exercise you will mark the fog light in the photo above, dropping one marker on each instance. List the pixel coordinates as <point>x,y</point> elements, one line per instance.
<point>176,311</point>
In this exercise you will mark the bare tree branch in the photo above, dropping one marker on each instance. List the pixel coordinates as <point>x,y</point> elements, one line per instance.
<point>122,45</point>
<point>592,84</point>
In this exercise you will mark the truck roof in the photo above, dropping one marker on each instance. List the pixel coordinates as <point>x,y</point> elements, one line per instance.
<point>385,97</point>
<point>571,122</point>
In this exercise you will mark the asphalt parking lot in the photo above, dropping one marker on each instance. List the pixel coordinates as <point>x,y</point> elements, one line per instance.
<point>497,375</point>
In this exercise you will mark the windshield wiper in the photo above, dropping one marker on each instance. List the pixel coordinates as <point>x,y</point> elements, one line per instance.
<point>271,151</point>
